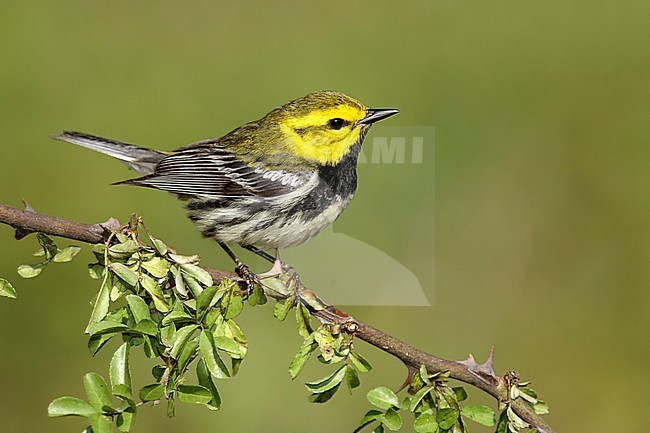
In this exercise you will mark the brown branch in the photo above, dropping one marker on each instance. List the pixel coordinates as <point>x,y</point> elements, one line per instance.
<point>27,221</point>
<point>468,371</point>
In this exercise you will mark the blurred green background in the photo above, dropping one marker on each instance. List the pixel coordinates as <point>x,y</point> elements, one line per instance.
<point>536,240</point>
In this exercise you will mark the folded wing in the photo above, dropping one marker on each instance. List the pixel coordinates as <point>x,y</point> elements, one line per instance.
<point>207,169</point>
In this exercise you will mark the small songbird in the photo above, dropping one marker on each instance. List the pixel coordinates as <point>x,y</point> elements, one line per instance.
<point>272,183</point>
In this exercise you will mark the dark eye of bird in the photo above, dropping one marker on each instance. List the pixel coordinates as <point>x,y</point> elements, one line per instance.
<point>336,123</point>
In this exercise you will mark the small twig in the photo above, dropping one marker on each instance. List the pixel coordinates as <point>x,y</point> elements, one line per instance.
<point>468,371</point>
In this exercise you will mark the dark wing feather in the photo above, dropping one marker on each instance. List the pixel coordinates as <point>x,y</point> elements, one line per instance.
<point>207,169</point>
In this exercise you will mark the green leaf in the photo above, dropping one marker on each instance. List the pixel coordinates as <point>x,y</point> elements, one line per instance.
<point>119,315</point>
<point>106,327</point>
<point>369,417</point>
<point>480,414</point>
<point>446,418</point>
<point>101,424</point>
<point>514,420</point>
<point>383,398</point>
<point>192,284</point>
<point>96,342</point>
<point>167,335</point>
<point>418,381</point>
<point>205,380</point>
<point>359,362</point>
<point>231,330</point>
<point>182,260</point>
<point>96,271</point>
<point>6,289</point>
<point>449,396</point>
<point>157,267</point>
<point>212,359</point>
<point>282,308</point>
<point>102,302</point>
<point>66,254</point>
<point>146,327</point>
<point>119,289</point>
<point>151,392</point>
<point>181,337</point>
<point>502,424</point>
<point>528,394</point>
<point>98,250</point>
<point>275,285</point>
<point>171,403</point>
<point>417,398</point>
<point>150,351</point>
<point>257,296</point>
<point>153,288</point>
<point>303,320</point>
<point>323,397</point>
<point>97,391</point>
<point>120,374</point>
<point>235,364</point>
<point>160,246</point>
<point>126,419</point>
<point>230,346</point>
<point>327,383</point>
<point>48,244</point>
<point>177,314</point>
<point>138,307</point>
<point>460,392</point>
<point>179,284</point>
<point>425,423</point>
<point>193,394</point>
<point>301,358</point>
<point>206,300</point>
<point>352,378</point>
<point>541,407</point>
<point>127,275</point>
<point>234,305</point>
<point>123,250</point>
<point>392,420</point>
<point>189,352</point>
<point>325,341</point>
<point>31,271</point>
<point>197,273</point>
<point>69,406</point>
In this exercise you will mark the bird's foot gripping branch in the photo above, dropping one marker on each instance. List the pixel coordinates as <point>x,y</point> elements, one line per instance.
<point>155,302</point>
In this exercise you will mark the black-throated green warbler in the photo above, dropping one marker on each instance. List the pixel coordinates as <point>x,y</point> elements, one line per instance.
<point>272,183</point>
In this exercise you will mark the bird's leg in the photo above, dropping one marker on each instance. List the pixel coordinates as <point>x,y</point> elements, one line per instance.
<point>242,270</point>
<point>263,254</point>
<point>277,263</point>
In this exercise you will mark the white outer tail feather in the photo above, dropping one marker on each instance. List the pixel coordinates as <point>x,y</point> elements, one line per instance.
<point>137,158</point>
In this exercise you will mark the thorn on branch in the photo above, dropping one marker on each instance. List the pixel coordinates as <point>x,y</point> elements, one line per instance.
<point>409,376</point>
<point>111,225</point>
<point>484,371</point>
<point>22,232</point>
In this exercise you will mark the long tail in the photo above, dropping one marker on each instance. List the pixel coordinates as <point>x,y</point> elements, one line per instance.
<point>137,158</point>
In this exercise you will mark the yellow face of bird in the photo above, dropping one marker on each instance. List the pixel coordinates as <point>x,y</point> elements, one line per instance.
<point>322,126</point>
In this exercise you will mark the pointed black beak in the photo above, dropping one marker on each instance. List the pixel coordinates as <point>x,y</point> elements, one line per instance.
<point>376,114</point>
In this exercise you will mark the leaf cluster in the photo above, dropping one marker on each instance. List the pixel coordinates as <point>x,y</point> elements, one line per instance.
<point>435,405</point>
<point>509,421</point>
<point>153,299</point>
